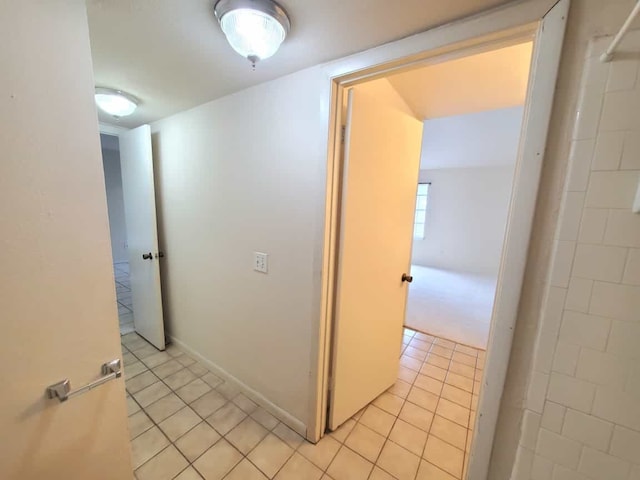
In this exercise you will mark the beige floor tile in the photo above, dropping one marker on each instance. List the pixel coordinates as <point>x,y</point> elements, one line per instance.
<point>128,358</point>
<point>444,456</point>
<point>423,398</point>
<point>443,342</point>
<point>406,374</point>
<point>298,468</point>
<point>379,474</point>
<point>400,389</point>
<point>288,436</point>
<point>348,465</point>
<point>156,359</point>
<point>321,453</point>
<point>365,442</point>
<point>270,455</point>
<point>407,436</point>
<point>227,389</point>
<point>189,474</point>
<point>433,371</point>
<point>438,361</point>
<point>147,445</point>
<point>164,466</point>
<point>225,418</point>
<point>456,395</point>
<point>193,390</point>
<point>399,462</point>
<point>133,341</point>
<point>462,369</point>
<point>165,407</point>
<point>132,406</point>
<point>410,362</point>
<point>389,403</point>
<point>429,384</point>
<point>137,383</point>
<point>246,404</point>
<point>144,351</point>
<point>462,357</point>
<point>264,418</point>
<point>198,369</point>
<point>179,423</point>
<point>428,471</point>
<point>449,431</point>
<point>219,460</point>
<point>133,369</point>
<point>419,344</point>
<point>212,379</point>
<point>245,470</point>
<point>416,416</point>
<point>208,403</point>
<point>185,360</point>
<point>173,350</point>
<point>459,381</point>
<point>151,394</point>
<point>246,435</point>
<point>343,431</point>
<point>197,440</point>
<point>415,353</point>
<point>467,350</point>
<point>179,379</point>
<point>424,337</point>
<point>454,412</point>
<point>139,423</point>
<point>167,368</point>
<point>378,420</point>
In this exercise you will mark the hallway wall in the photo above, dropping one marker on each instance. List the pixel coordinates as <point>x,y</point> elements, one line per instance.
<point>115,201</point>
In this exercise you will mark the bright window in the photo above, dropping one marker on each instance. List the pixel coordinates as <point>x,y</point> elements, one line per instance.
<point>422,201</point>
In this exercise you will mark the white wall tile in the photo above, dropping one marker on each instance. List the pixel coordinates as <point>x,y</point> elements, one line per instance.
<point>558,449</point>
<point>602,368</point>
<point>585,330</point>
<point>597,464</point>
<point>565,359</point>
<point>530,428</point>
<point>580,164</point>
<point>617,406</point>
<point>632,386</point>
<point>542,468</point>
<point>571,392</point>
<point>618,110</point>
<point>622,75</point>
<point>617,301</point>
<point>612,189</point>
<point>593,225</point>
<point>588,114</point>
<point>553,309</point>
<point>632,268</point>
<point>587,429</point>
<point>522,464</point>
<point>537,391</point>
<point>625,444</point>
<point>631,152</point>
<point>563,473</point>
<point>553,416</point>
<point>599,262</point>
<point>623,227</point>
<point>579,294</point>
<point>624,339</point>
<point>635,473</point>
<point>571,216</point>
<point>563,260</point>
<point>608,151</point>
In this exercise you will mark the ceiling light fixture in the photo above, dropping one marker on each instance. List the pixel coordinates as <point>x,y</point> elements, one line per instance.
<point>254,28</point>
<point>115,102</point>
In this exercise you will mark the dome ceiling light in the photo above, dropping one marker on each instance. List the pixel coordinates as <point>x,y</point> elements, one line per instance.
<point>254,28</point>
<point>115,102</point>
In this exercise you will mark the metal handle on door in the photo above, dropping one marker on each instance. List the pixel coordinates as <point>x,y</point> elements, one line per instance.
<point>62,390</point>
<point>407,278</point>
<point>147,256</point>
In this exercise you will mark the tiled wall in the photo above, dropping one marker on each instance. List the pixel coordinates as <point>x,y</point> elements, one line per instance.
<point>583,407</point>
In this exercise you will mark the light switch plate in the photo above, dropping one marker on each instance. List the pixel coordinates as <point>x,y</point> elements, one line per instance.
<point>260,262</point>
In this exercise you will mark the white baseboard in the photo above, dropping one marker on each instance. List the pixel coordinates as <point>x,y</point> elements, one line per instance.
<point>286,418</point>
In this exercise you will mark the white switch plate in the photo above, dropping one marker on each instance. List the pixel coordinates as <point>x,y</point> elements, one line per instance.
<point>260,262</point>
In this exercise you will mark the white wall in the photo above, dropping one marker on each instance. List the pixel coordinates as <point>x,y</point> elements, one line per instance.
<point>466,219</point>
<point>115,202</point>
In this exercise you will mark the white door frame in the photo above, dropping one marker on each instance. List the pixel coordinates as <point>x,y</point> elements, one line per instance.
<point>542,22</point>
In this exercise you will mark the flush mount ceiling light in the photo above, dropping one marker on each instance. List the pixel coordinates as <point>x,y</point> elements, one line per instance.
<point>254,28</point>
<point>115,102</point>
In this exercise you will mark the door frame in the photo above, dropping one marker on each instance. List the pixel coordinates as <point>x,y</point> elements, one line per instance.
<point>541,22</point>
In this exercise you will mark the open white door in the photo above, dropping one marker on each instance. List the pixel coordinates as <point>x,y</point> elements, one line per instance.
<point>136,161</point>
<point>382,157</point>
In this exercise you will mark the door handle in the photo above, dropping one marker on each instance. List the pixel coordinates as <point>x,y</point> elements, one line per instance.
<point>147,256</point>
<point>62,390</point>
<point>407,278</point>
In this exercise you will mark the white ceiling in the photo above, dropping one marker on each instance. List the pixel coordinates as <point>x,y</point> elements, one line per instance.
<point>172,55</point>
<point>486,81</point>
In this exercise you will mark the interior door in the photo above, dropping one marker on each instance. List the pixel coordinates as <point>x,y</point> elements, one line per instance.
<point>136,162</point>
<point>382,157</point>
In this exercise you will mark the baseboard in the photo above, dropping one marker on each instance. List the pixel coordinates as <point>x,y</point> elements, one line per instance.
<point>258,398</point>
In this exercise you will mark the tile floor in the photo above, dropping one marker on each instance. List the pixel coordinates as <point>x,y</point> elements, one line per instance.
<point>123,294</point>
<point>187,424</point>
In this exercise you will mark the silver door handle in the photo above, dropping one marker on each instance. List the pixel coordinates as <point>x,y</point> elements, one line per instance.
<point>62,390</point>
